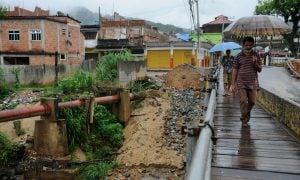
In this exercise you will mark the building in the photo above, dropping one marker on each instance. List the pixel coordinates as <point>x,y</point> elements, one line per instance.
<point>136,31</point>
<point>168,55</point>
<point>216,26</point>
<point>119,33</point>
<point>91,34</point>
<point>35,38</point>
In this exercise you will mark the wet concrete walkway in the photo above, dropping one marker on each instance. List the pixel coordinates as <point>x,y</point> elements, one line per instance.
<point>263,150</point>
<point>279,81</point>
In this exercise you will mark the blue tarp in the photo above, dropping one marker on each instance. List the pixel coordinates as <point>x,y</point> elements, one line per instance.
<point>184,37</point>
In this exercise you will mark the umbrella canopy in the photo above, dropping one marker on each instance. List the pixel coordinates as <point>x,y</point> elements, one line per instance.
<point>257,25</point>
<point>224,46</point>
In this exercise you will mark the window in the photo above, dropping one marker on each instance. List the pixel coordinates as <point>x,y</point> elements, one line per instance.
<point>14,35</point>
<point>36,35</point>
<point>63,32</point>
<point>69,34</point>
<point>62,57</point>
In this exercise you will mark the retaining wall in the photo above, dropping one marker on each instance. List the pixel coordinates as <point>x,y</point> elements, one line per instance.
<point>132,70</point>
<point>38,74</point>
<point>286,111</point>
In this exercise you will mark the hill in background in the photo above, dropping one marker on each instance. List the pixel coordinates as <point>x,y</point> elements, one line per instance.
<point>88,17</point>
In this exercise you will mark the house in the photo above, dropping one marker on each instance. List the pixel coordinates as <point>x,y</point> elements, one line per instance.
<point>217,25</point>
<point>136,31</point>
<point>35,38</point>
<point>168,55</point>
<point>91,34</point>
<point>117,33</point>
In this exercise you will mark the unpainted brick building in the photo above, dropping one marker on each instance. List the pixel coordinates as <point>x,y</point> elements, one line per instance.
<point>36,38</point>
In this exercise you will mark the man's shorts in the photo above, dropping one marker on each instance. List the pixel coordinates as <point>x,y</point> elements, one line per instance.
<point>227,78</point>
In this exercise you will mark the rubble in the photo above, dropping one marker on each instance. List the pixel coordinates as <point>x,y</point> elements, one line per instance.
<point>185,110</point>
<point>21,97</point>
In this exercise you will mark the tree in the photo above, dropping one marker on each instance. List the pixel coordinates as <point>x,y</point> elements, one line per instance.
<point>59,13</point>
<point>3,11</point>
<point>289,10</point>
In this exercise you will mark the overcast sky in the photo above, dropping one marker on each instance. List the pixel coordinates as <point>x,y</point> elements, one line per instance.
<point>174,12</point>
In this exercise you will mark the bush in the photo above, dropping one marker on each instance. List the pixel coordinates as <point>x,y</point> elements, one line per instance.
<point>97,171</point>
<point>5,89</point>
<point>8,150</point>
<point>106,70</point>
<point>78,82</point>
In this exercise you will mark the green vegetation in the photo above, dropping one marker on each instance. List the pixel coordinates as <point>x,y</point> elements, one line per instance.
<point>79,81</point>
<point>96,172</point>
<point>5,88</point>
<point>106,70</point>
<point>16,72</point>
<point>213,38</point>
<point>3,11</point>
<point>289,10</point>
<point>105,135</point>
<point>19,130</point>
<point>8,150</point>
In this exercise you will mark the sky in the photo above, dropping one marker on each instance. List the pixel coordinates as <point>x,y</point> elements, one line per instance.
<point>175,12</point>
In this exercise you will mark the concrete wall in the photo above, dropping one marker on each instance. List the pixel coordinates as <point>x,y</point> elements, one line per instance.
<point>287,112</point>
<point>131,70</point>
<point>38,74</point>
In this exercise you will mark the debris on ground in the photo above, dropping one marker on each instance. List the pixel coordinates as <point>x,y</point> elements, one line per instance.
<point>184,76</point>
<point>21,97</point>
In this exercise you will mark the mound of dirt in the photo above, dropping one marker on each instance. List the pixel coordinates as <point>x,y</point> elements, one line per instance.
<point>184,76</point>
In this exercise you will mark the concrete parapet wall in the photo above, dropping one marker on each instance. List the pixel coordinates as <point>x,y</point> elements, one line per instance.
<point>37,74</point>
<point>132,70</point>
<point>286,111</point>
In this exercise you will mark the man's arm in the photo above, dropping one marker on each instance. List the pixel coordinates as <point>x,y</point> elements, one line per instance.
<point>257,63</point>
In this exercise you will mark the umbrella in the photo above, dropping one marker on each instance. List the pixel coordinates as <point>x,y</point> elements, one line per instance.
<point>224,46</point>
<point>257,25</point>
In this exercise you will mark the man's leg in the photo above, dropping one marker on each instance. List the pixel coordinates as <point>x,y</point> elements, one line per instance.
<point>225,83</point>
<point>251,93</point>
<point>243,105</point>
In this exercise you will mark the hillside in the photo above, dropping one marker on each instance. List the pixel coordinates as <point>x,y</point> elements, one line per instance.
<point>88,17</point>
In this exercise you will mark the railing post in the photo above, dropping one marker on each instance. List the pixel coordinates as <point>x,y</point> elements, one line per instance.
<point>50,135</point>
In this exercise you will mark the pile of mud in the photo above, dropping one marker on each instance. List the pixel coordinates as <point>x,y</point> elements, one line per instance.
<point>184,76</point>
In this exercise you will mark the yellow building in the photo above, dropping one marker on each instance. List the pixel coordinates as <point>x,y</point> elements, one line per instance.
<point>168,55</point>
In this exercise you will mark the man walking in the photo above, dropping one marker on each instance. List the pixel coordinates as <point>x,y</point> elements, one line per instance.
<point>245,78</point>
<point>227,62</point>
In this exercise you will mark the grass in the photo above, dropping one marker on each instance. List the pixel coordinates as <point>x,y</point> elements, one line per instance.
<point>8,150</point>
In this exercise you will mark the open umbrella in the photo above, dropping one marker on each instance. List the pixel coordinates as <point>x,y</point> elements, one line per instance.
<point>257,25</point>
<point>224,46</point>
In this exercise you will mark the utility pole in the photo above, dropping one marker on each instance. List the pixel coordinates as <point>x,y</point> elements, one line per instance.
<point>199,55</point>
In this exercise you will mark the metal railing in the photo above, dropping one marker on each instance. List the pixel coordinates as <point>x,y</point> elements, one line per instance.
<point>201,163</point>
